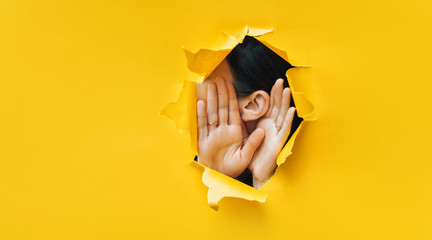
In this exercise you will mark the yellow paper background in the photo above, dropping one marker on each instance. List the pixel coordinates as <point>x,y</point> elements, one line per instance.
<point>85,154</point>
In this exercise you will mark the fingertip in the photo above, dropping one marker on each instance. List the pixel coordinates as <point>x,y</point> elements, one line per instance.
<point>280,81</point>
<point>292,109</point>
<point>200,103</point>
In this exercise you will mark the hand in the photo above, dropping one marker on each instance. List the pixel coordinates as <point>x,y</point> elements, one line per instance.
<point>220,132</point>
<point>277,125</point>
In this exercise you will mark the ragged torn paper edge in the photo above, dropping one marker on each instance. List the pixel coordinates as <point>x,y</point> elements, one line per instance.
<point>183,111</point>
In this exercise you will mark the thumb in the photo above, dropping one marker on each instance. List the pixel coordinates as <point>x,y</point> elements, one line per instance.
<point>252,144</point>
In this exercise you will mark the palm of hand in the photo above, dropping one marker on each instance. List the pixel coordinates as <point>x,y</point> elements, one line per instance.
<point>220,141</point>
<point>277,125</point>
<point>264,160</point>
<point>224,143</point>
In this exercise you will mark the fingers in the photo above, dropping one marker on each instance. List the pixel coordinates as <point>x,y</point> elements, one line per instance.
<point>202,121</point>
<point>269,112</point>
<point>286,127</point>
<point>222,104</point>
<point>251,145</point>
<point>278,89</point>
<point>284,107</point>
<point>212,104</point>
<point>234,114</point>
<point>222,92</point>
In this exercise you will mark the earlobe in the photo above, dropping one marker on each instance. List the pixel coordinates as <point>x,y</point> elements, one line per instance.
<point>254,106</point>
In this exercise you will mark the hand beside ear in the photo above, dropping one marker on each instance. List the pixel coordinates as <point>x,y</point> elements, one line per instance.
<point>220,133</point>
<point>277,125</point>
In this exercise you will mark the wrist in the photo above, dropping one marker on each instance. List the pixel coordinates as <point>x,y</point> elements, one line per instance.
<point>261,174</point>
<point>258,183</point>
<point>204,162</point>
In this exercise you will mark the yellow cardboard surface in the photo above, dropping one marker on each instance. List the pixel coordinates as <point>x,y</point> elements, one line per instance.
<point>85,154</point>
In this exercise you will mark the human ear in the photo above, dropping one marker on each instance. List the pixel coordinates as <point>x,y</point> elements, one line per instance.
<point>254,106</point>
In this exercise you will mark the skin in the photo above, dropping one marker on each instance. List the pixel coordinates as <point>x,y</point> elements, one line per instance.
<point>250,132</point>
<point>222,146</point>
<point>277,125</point>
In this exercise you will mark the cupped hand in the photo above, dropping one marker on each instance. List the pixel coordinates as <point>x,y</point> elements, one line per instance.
<point>223,145</point>
<point>277,125</point>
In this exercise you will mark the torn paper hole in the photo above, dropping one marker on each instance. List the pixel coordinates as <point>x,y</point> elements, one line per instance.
<point>201,64</point>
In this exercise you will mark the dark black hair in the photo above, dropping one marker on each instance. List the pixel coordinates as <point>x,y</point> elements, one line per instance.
<point>254,67</point>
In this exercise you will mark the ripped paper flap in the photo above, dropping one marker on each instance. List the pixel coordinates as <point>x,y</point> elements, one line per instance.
<point>183,112</point>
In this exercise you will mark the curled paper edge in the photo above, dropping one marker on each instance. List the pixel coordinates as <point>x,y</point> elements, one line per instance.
<point>221,186</point>
<point>184,115</point>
